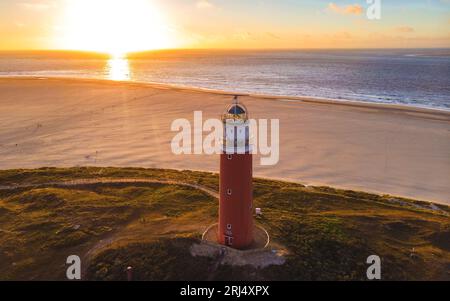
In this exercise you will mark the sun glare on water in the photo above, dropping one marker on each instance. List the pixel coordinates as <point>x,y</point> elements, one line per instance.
<point>114,26</point>
<point>117,68</point>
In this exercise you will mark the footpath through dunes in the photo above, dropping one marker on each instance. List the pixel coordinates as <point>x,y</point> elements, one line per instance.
<point>115,219</point>
<point>112,238</point>
<point>81,182</point>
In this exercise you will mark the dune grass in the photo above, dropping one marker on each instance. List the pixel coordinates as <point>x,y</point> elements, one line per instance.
<point>328,233</point>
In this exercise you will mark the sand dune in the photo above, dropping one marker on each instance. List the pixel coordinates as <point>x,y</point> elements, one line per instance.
<point>376,148</point>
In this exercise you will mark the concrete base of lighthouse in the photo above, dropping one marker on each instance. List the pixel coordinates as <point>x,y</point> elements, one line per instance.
<point>260,241</point>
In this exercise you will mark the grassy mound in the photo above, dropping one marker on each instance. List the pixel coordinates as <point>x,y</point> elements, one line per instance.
<point>329,233</point>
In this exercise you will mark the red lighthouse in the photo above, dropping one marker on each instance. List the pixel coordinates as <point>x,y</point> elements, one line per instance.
<point>236,191</point>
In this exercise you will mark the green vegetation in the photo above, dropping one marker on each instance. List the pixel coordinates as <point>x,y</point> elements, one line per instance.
<point>328,233</point>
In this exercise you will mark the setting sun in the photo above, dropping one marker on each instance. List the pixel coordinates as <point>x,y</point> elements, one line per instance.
<point>114,26</point>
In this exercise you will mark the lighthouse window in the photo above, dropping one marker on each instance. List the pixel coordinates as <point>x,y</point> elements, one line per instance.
<point>229,191</point>
<point>230,157</point>
<point>228,226</point>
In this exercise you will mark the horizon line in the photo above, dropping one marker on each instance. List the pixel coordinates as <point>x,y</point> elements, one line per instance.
<point>220,49</point>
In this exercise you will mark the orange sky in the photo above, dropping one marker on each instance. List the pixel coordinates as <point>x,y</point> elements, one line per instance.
<point>117,26</point>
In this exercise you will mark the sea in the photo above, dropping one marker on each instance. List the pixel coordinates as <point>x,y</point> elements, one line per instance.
<point>412,77</point>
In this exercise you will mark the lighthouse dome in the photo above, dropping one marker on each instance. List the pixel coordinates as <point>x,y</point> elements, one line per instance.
<point>236,111</point>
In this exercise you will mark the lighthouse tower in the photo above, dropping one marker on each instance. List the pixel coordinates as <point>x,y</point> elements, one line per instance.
<point>236,192</point>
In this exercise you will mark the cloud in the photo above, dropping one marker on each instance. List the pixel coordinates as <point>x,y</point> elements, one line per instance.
<point>405,29</point>
<point>204,4</point>
<point>352,9</point>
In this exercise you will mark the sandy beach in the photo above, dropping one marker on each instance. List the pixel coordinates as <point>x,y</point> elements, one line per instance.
<point>375,148</point>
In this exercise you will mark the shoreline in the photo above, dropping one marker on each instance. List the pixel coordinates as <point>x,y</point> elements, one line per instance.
<point>375,148</point>
<point>287,98</point>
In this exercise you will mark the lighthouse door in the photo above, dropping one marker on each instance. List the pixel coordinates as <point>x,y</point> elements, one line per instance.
<point>228,240</point>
